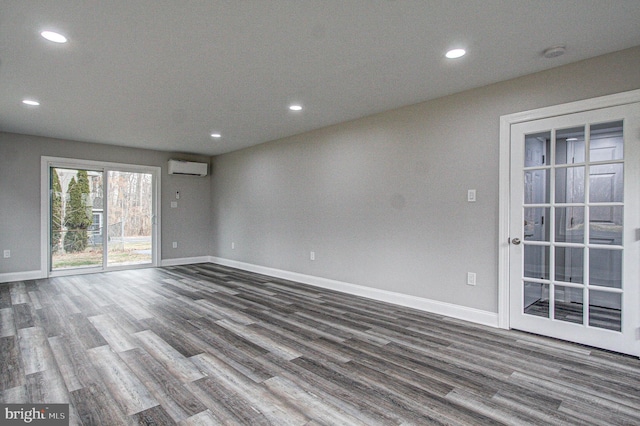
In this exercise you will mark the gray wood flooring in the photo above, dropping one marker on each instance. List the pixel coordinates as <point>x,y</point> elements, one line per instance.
<point>205,344</point>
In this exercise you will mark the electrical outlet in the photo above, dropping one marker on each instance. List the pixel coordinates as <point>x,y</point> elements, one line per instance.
<point>174,244</point>
<point>312,255</point>
<point>471,195</point>
<point>471,278</point>
<point>7,254</point>
<point>174,204</point>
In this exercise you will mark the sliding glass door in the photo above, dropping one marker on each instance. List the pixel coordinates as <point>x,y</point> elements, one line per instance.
<point>101,216</point>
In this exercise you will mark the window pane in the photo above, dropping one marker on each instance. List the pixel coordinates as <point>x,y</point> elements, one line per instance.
<point>570,185</point>
<point>606,142</point>
<point>569,263</point>
<point>537,149</point>
<point>605,310</point>
<point>536,262</point>
<point>570,146</point>
<point>536,187</point>
<point>536,222</point>
<point>606,183</point>
<point>536,299</point>
<point>568,304</point>
<point>605,225</point>
<point>605,267</point>
<point>570,224</point>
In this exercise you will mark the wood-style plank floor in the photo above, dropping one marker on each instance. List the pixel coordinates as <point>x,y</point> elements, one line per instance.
<point>205,344</point>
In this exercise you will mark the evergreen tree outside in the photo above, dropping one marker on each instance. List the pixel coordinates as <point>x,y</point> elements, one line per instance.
<point>56,211</point>
<point>77,214</point>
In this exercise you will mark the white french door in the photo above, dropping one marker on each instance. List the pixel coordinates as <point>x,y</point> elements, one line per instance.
<point>574,227</point>
<point>100,216</point>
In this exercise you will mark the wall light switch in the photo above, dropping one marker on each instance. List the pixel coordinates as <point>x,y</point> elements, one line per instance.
<point>471,278</point>
<point>7,254</point>
<point>174,244</point>
<point>471,195</point>
<point>174,204</point>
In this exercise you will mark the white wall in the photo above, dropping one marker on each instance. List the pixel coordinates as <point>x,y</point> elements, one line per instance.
<point>189,224</point>
<point>382,200</point>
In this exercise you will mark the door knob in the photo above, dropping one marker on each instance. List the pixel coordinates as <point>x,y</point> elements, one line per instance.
<point>515,241</point>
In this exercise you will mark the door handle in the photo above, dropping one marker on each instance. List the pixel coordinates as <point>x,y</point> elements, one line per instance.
<point>515,241</point>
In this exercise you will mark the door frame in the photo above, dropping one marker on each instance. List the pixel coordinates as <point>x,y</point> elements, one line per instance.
<point>504,184</point>
<point>45,223</point>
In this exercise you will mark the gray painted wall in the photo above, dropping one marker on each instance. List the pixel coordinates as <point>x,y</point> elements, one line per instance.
<point>189,224</point>
<point>382,200</point>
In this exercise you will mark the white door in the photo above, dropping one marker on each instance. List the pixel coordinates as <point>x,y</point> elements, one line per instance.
<point>575,227</point>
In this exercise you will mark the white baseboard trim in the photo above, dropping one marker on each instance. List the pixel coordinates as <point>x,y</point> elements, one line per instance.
<point>185,261</point>
<point>21,276</point>
<point>433,306</point>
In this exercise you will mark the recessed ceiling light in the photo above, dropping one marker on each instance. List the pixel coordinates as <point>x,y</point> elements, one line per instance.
<point>455,53</point>
<point>54,37</point>
<point>216,135</point>
<point>295,107</point>
<point>30,102</point>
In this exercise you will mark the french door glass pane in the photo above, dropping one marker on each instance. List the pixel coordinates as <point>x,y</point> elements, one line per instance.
<point>605,225</point>
<point>569,264</point>
<point>570,224</point>
<point>536,299</point>
<point>605,310</point>
<point>606,142</point>
<point>606,183</point>
<point>570,185</point>
<point>605,267</point>
<point>76,218</point>
<point>536,222</point>
<point>536,187</point>
<point>536,262</point>
<point>570,146</point>
<point>568,304</point>
<point>537,148</point>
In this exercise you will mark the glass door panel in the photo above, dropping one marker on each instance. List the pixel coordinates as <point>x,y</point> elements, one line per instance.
<point>130,207</point>
<point>536,299</point>
<point>76,207</point>
<point>569,224</point>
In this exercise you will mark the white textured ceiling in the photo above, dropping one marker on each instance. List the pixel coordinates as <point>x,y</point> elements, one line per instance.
<point>164,74</point>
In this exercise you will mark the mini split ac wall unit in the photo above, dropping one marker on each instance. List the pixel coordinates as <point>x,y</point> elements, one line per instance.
<point>187,168</point>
